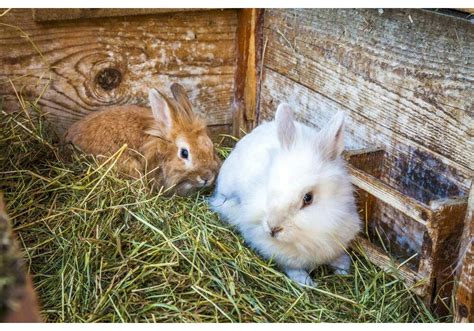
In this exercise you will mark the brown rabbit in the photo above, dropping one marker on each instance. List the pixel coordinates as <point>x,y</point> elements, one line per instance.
<point>169,141</point>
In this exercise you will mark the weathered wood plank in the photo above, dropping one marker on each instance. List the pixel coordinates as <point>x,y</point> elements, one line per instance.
<point>90,64</point>
<point>407,205</point>
<point>55,14</point>
<point>249,43</point>
<point>464,311</point>
<point>413,81</point>
<point>369,159</point>
<point>445,230</point>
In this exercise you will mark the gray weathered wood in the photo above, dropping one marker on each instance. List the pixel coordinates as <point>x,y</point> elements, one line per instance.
<point>464,308</point>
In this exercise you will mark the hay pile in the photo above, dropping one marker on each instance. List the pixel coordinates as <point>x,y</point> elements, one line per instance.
<point>104,249</point>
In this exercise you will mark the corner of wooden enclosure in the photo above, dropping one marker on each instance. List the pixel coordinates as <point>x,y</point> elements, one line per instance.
<point>247,82</point>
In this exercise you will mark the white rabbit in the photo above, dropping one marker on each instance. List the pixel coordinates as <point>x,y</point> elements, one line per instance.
<point>286,189</point>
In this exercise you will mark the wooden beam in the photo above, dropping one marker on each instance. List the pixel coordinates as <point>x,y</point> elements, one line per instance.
<point>464,311</point>
<point>444,230</point>
<point>58,14</point>
<point>249,45</point>
<point>403,203</point>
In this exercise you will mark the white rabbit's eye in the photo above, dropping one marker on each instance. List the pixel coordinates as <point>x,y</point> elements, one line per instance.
<point>184,153</point>
<point>307,199</point>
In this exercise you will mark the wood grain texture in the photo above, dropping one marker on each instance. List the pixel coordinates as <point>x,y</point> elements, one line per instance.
<point>55,14</point>
<point>249,44</point>
<point>464,308</point>
<point>409,206</point>
<point>444,232</point>
<point>405,86</point>
<point>86,65</point>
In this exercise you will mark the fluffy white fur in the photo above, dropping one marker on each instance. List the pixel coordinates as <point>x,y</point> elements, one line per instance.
<point>262,183</point>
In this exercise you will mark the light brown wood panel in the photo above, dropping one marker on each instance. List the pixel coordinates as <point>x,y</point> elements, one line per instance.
<point>249,47</point>
<point>55,14</point>
<point>411,82</point>
<point>90,64</point>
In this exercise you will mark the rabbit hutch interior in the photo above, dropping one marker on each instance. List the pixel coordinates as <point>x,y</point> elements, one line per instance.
<point>404,79</point>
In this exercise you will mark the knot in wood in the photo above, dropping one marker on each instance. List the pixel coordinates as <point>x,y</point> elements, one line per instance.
<point>108,78</point>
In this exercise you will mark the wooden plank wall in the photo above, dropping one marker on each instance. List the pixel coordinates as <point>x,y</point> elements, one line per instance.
<point>404,78</point>
<point>93,63</point>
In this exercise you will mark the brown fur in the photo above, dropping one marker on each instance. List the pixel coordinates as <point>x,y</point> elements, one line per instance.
<point>152,146</point>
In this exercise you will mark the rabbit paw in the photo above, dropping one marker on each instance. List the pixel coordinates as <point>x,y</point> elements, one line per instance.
<point>341,265</point>
<point>300,276</point>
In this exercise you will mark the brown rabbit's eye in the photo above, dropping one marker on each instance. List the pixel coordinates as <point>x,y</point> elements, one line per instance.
<point>184,153</point>
<point>307,199</point>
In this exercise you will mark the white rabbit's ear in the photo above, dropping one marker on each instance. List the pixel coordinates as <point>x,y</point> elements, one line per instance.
<point>160,108</point>
<point>286,128</point>
<point>331,137</point>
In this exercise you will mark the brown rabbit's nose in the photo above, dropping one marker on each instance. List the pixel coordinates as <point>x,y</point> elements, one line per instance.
<point>207,177</point>
<point>275,230</point>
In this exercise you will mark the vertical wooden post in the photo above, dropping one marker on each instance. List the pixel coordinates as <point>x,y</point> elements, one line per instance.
<point>249,45</point>
<point>464,308</point>
<point>445,230</point>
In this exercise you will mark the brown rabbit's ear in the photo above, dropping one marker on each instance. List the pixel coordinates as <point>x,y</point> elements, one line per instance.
<point>181,97</point>
<point>160,108</point>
